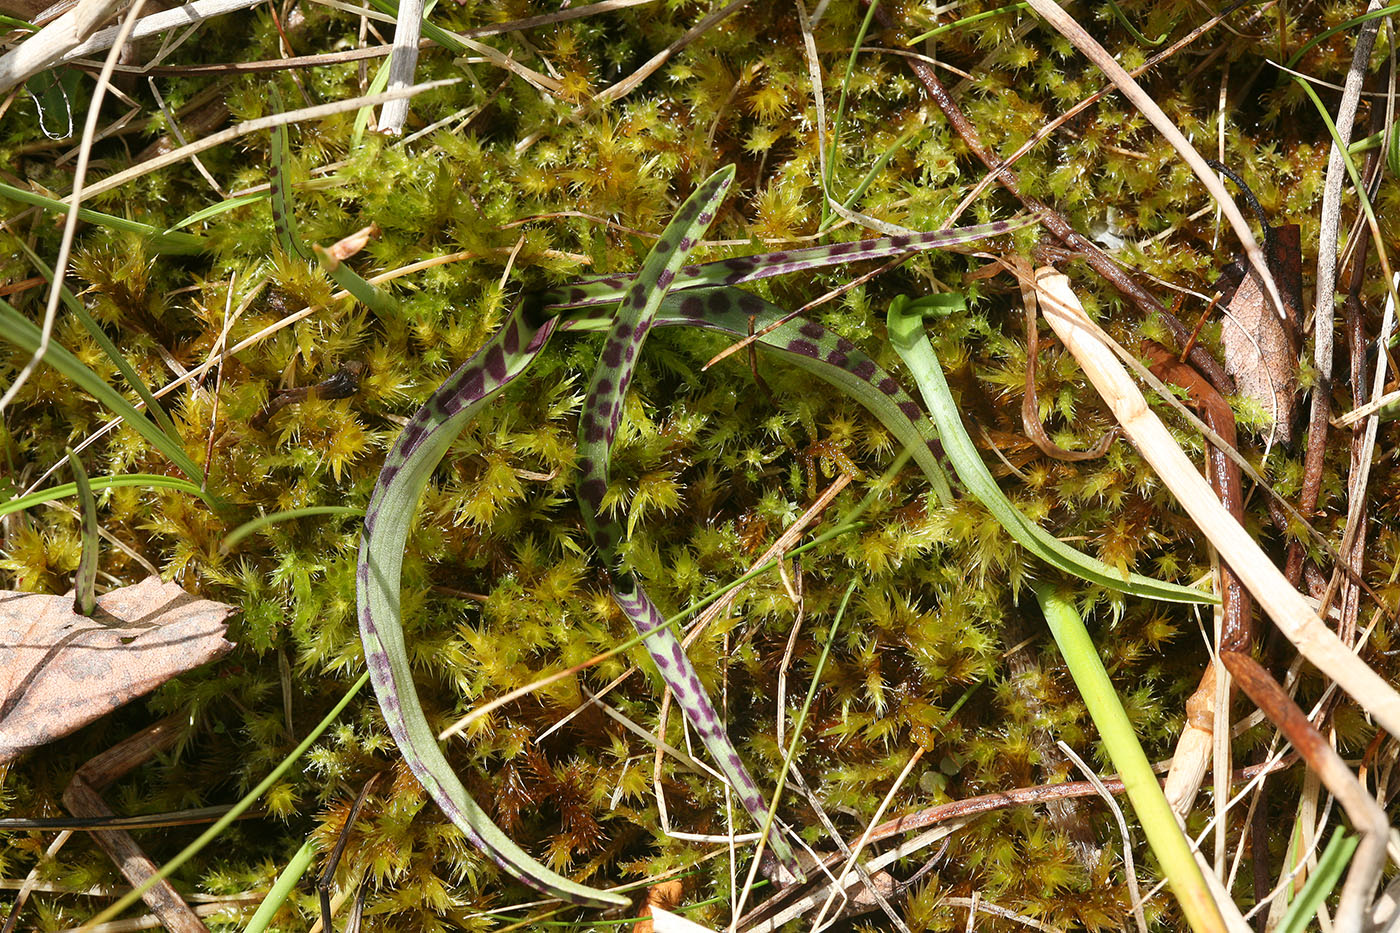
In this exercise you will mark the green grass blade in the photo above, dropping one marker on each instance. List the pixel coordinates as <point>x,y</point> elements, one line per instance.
<point>284,221</point>
<point>164,241</point>
<point>222,207</point>
<point>870,176</point>
<point>154,480</point>
<point>827,216</point>
<point>85,579</point>
<point>252,527</point>
<point>1159,824</point>
<point>108,346</point>
<point>282,889</point>
<point>19,330</point>
<point>906,333</point>
<point>368,294</point>
<point>237,810</point>
<point>1321,883</point>
<point>1322,37</point>
<point>966,21</point>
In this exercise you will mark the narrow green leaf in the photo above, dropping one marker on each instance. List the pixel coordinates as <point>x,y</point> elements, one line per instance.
<point>1164,835</point>
<point>99,336</point>
<point>154,480</point>
<point>906,333</point>
<point>164,241</point>
<point>85,579</point>
<point>282,888</point>
<point>221,207</point>
<point>258,524</point>
<point>1320,883</point>
<point>19,330</point>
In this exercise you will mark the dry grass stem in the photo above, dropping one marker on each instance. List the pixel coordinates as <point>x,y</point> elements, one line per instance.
<point>1086,341</point>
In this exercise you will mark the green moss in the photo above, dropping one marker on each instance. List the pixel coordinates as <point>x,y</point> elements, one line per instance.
<point>499,587</point>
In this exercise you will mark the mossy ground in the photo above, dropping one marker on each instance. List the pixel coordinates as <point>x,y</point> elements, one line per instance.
<point>499,587</point>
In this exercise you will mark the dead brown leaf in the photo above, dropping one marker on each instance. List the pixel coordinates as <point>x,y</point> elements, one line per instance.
<point>60,670</point>
<point>1261,349</point>
<point>662,896</point>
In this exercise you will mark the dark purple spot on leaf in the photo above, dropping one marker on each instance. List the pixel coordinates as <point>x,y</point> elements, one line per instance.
<point>864,369</point>
<point>496,363</point>
<point>803,347</point>
<point>888,386</point>
<point>812,329</point>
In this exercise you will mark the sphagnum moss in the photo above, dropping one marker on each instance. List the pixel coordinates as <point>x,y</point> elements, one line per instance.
<point>709,470</point>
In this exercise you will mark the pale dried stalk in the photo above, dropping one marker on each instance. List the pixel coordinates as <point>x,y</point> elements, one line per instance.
<point>1285,605</point>
<point>1068,27</point>
<point>47,46</point>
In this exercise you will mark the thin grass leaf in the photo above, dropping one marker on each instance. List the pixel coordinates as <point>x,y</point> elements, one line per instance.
<point>163,241</point>
<point>284,221</point>
<point>153,480</point>
<point>222,207</point>
<point>965,21</point>
<point>258,524</point>
<point>20,331</point>
<point>108,346</point>
<point>859,191</point>
<point>282,888</point>
<point>1159,824</point>
<point>827,216</point>
<point>801,722</point>
<point>1323,36</point>
<point>85,579</point>
<point>368,294</point>
<point>1321,882</point>
<point>906,333</point>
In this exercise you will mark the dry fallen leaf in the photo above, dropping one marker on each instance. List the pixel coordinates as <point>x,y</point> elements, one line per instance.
<point>661,896</point>
<point>60,670</point>
<point>1261,349</point>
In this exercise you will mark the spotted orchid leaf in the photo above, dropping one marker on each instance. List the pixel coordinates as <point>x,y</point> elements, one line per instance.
<point>602,414</point>
<point>740,269</point>
<point>905,322</point>
<point>407,469</point>
<point>649,299</point>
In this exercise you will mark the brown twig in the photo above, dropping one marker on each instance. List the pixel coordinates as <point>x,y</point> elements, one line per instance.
<point>1031,796</point>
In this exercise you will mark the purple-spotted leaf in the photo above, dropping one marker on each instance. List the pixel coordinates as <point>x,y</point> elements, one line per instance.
<point>606,289</point>
<point>60,670</point>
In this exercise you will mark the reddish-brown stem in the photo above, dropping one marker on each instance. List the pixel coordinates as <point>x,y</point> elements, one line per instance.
<point>1224,476</point>
<point>1028,796</point>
